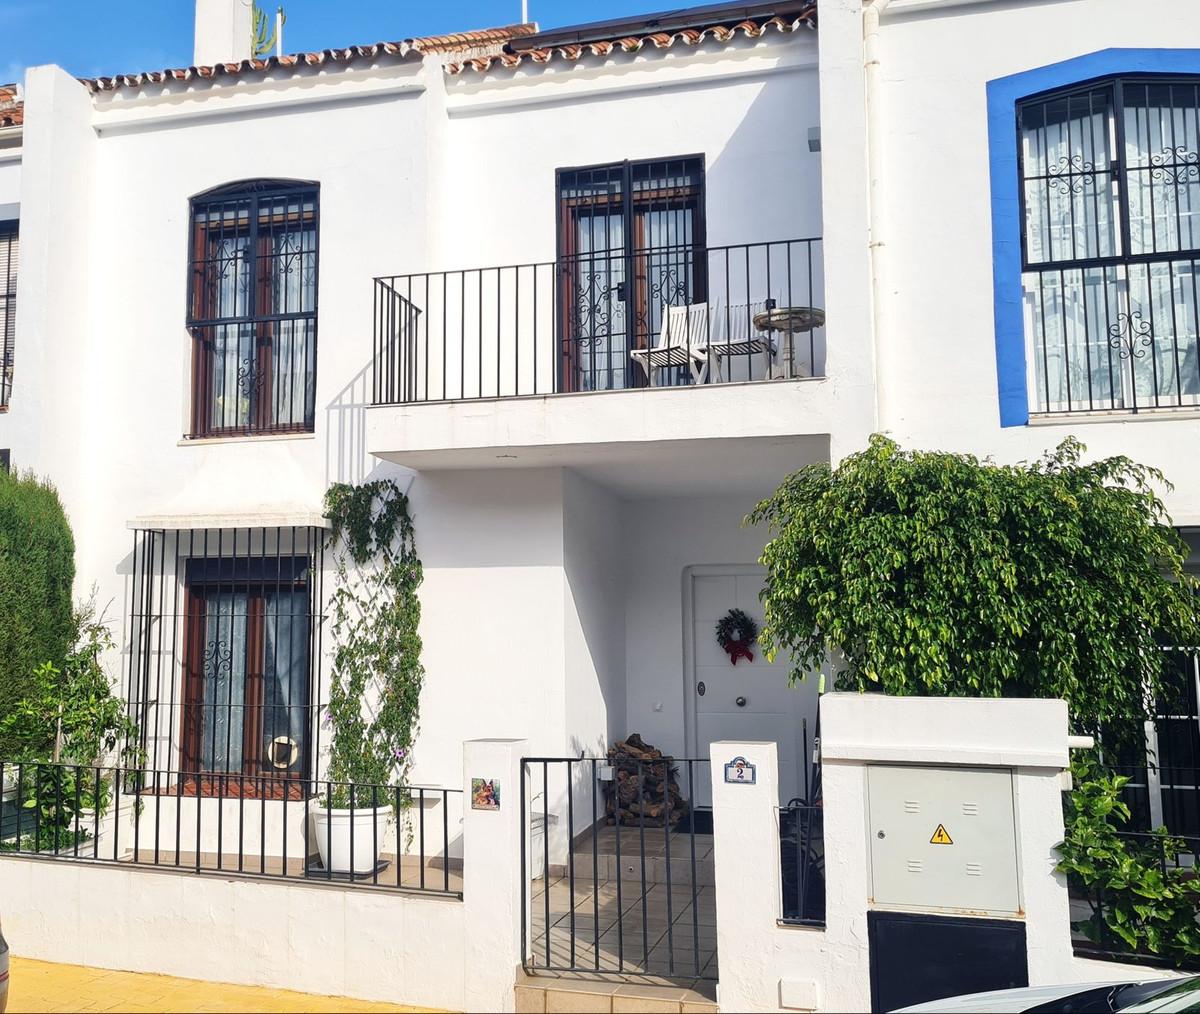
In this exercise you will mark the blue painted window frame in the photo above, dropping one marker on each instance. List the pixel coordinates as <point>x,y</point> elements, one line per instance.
<point>1003,94</point>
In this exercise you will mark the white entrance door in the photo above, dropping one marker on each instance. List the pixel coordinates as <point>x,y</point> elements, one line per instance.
<point>749,700</point>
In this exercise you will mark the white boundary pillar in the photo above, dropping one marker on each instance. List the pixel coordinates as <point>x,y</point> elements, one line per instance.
<point>746,864</point>
<point>492,884</point>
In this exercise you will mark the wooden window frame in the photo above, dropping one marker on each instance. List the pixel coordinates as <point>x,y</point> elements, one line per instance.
<point>253,208</point>
<point>253,781</point>
<point>634,205</point>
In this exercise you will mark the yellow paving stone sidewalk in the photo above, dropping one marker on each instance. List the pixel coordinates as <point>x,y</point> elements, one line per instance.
<point>41,986</point>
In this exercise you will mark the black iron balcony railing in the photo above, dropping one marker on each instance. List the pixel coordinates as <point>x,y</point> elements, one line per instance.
<point>601,321</point>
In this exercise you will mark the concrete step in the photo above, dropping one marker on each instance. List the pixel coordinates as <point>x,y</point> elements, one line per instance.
<point>547,994</point>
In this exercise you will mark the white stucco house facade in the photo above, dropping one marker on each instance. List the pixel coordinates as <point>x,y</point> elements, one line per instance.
<point>587,295</point>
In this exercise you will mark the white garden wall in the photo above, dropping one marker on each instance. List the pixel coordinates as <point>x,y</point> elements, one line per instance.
<point>374,946</point>
<point>767,966</point>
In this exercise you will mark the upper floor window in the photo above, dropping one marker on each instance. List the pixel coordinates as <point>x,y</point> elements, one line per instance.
<point>9,248</point>
<point>252,308</point>
<point>1110,186</point>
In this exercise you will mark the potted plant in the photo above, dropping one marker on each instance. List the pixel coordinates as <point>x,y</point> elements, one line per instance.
<point>376,678</point>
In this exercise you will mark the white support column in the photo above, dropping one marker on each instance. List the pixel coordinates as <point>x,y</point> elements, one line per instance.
<point>746,864</point>
<point>1038,793</point>
<point>492,883</point>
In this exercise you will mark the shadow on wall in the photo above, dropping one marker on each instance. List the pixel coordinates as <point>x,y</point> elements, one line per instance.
<point>346,457</point>
<point>782,202</point>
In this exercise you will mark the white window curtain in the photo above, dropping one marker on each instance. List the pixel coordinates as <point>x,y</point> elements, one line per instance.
<point>224,682</point>
<point>233,344</point>
<point>285,679</point>
<point>293,363</point>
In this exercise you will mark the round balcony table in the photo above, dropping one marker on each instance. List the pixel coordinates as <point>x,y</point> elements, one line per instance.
<point>789,321</point>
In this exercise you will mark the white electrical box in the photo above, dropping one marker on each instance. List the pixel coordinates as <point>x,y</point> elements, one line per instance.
<point>943,840</point>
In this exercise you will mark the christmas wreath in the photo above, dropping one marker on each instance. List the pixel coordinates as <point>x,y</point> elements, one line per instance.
<point>736,632</point>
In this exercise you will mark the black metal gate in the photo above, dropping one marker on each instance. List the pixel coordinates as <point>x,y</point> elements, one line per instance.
<point>618,868</point>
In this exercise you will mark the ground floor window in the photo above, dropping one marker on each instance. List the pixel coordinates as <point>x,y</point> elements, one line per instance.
<point>223,684</point>
<point>247,674</point>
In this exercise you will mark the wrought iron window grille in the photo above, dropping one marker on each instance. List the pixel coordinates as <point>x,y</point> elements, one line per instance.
<point>1110,200</point>
<point>252,308</point>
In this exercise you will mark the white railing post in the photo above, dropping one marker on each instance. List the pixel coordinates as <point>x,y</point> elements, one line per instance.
<point>492,882</point>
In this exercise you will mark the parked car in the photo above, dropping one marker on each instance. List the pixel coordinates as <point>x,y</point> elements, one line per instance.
<point>3,972</point>
<point>1159,996</point>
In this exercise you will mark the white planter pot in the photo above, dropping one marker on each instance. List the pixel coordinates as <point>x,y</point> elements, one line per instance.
<point>333,831</point>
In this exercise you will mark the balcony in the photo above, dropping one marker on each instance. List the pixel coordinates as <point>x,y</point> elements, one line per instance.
<point>664,317</point>
<point>467,363</point>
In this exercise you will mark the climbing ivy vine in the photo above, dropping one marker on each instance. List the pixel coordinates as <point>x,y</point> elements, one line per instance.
<point>375,685</point>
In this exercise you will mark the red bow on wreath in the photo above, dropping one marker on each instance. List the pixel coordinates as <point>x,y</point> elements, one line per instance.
<point>736,632</point>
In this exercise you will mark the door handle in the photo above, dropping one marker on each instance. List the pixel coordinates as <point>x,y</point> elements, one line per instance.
<point>740,702</point>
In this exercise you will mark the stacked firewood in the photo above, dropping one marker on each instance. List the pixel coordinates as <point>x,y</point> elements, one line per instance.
<point>643,786</point>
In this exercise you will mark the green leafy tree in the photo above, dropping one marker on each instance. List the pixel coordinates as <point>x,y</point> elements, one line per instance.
<point>375,687</point>
<point>37,569</point>
<point>70,712</point>
<point>71,718</point>
<point>938,574</point>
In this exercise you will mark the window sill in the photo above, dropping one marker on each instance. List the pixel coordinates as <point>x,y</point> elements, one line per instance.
<point>256,438</point>
<point>1146,414</point>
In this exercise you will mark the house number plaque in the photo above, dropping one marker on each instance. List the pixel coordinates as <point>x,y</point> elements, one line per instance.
<point>740,771</point>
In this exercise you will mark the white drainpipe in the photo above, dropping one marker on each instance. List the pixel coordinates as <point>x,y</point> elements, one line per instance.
<point>871,12</point>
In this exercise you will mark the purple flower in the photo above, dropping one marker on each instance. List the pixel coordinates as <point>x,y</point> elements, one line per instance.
<point>400,753</point>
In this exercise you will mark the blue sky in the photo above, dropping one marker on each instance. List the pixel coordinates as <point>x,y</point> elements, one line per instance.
<point>99,37</point>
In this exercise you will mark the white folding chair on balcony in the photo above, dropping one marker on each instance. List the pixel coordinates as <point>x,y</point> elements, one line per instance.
<point>680,344</point>
<point>734,336</point>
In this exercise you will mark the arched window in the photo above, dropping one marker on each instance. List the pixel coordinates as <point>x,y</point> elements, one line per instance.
<point>252,308</point>
<point>1110,188</point>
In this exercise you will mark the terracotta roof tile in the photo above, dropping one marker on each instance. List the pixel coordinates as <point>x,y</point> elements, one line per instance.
<point>476,43</point>
<point>12,109</point>
<point>751,28</point>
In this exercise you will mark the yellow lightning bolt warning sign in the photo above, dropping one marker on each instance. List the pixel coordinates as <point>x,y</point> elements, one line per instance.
<point>940,837</point>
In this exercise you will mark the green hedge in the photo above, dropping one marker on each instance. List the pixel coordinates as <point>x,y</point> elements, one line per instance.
<point>37,569</point>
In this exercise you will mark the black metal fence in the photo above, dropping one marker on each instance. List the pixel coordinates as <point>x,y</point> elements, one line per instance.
<point>802,862</point>
<point>1161,758</point>
<point>663,316</point>
<point>399,837</point>
<point>1093,910</point>
<point>619,864</point>
<point>802,841</point>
